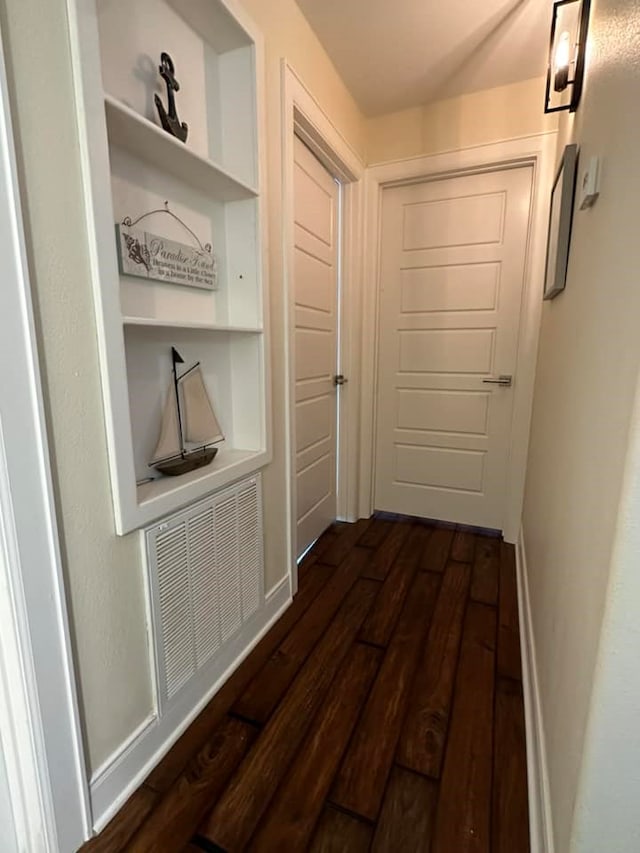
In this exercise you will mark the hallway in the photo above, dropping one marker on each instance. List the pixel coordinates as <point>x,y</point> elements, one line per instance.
<point>446,329</point>
<point>383,711</point>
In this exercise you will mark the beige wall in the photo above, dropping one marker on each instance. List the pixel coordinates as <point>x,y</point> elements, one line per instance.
<point>287,34</point>
<point>481,117</point>
<point>587,370</point>
<point>105,572</point>
<point>606,815</point>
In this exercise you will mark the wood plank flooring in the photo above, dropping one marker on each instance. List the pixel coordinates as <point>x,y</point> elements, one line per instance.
<point>382,712</point>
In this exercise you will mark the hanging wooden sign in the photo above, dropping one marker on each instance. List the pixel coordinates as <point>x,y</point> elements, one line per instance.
<point>146,255</point>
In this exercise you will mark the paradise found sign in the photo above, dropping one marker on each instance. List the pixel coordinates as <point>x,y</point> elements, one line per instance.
<point>147,255</point>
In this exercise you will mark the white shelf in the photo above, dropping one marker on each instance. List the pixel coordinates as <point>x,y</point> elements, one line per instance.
<point>145,140</point>
<point>152,323</point>
<point>166,494</point>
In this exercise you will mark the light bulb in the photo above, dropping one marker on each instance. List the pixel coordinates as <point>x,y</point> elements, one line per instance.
<point>562,60</point>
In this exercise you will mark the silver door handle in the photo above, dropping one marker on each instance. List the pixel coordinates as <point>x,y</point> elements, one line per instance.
<point>504,380</point>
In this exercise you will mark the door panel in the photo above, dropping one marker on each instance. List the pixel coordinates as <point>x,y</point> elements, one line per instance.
<point>452,269</point>
<point>473,287</point>
<point>450,221</point>
<point>315,283</point>
<point>314,423</point>
<point>315,355</point>
<point>443,411</point>
<point>315,289</point>
<point>442,466</point>
<point>446,350</point>
<point>313,479</point>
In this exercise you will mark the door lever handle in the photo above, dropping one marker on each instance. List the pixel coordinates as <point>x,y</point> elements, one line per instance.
<point>340,379</point>
<point>504,380</point>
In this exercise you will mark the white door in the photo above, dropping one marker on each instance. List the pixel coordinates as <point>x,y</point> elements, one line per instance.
<point>315,293</point>
<point>452,268</point>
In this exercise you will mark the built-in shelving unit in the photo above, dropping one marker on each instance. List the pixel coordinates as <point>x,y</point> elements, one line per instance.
<point>214,185</point>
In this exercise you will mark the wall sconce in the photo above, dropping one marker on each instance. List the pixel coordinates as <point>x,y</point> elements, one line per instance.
<point>567,53</point>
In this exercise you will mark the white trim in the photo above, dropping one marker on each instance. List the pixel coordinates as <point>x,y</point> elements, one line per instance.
<point>541,827</point>
<point>539,152</point>
<point>94,160</point>
<point>39,720</point>
<point>302,115</point>
<point>276,591</point>
<point>471,150</point>
<point>351,348</point>
<point>120,755</point>
<point>127,768</point>
<point>21,736</point>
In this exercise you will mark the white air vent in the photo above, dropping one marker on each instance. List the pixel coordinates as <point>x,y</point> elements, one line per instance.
<point>206,579</point>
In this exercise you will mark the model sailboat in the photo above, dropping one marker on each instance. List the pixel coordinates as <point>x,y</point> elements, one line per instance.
<point>189,427</point>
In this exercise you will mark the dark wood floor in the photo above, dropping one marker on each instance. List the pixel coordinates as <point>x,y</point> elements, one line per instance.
<point>382,712</point>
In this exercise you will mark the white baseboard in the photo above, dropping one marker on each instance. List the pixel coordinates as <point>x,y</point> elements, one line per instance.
<point>541,827</point>
<point>117,779</point>
<point>277,589</point>
<point>123,750</point>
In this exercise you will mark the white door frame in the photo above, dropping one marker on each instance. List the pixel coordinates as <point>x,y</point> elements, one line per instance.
<point>303,116</point>
<point>40,733</point>
<point>537,151</point>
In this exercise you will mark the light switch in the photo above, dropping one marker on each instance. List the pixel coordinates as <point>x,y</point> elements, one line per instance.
<point>590,183</point>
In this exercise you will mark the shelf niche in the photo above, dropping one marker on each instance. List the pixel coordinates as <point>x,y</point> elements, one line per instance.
<point>231,365</point>
<point>215,65</point>
<point>230,227</point>
<point>212,183</point>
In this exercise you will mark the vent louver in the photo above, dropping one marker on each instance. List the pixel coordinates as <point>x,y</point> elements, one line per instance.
<point>206,578</point>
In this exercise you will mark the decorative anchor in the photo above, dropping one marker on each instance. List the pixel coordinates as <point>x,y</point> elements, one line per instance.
<point>170,121</point>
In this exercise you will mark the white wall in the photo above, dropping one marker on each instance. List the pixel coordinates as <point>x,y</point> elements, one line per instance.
<point>585,388</point>
<point>505,112</point>
<point>105,572</point>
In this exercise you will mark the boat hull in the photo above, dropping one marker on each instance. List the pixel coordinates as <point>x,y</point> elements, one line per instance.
<point>190,462</point>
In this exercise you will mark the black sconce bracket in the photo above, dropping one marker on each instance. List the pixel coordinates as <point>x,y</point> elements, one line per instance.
<point>560,81</point>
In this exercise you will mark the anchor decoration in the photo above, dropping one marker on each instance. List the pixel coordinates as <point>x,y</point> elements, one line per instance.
<point>170,121</point>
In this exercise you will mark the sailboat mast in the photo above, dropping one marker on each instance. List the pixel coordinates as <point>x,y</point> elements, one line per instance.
<point>177,359</point>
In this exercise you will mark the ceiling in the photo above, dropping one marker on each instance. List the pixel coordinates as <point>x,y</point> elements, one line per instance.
<point>394,54</point>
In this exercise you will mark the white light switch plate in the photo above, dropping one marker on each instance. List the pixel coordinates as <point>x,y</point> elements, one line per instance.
<point>590,183</point>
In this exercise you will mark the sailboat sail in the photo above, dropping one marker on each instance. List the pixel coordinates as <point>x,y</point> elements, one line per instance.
<point>199,421</point>
<point>169,443</point>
